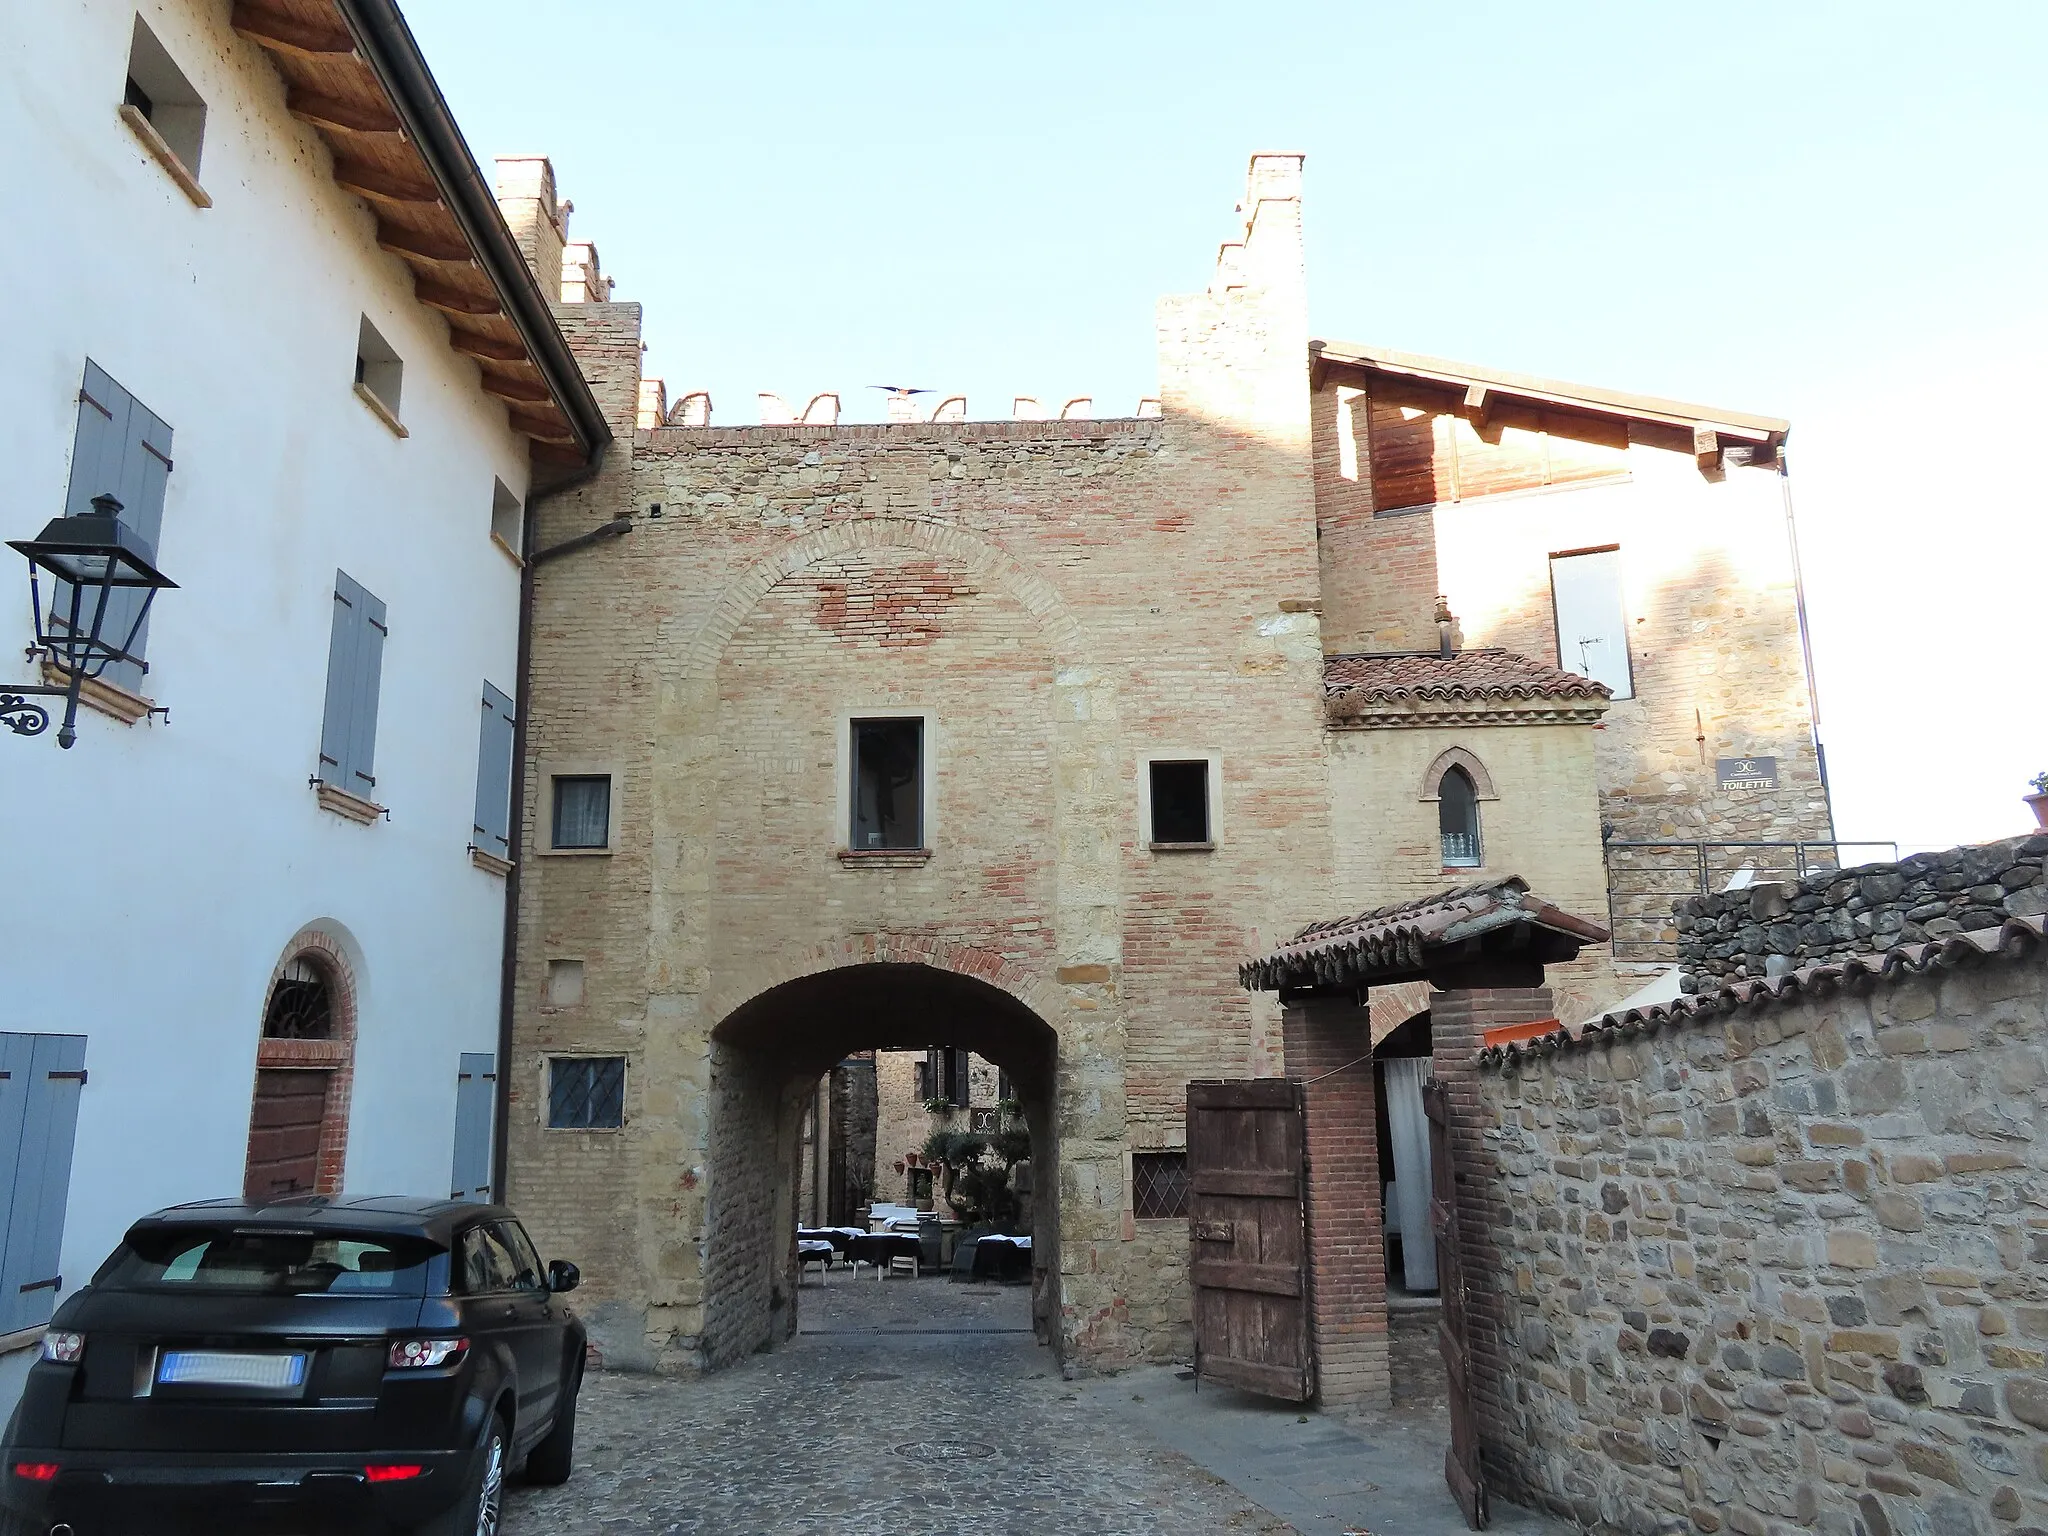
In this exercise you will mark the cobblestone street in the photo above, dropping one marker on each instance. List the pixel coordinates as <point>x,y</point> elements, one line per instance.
<point>863,1425</point>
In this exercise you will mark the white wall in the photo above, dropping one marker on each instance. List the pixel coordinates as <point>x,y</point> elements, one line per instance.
<point>155,872</point>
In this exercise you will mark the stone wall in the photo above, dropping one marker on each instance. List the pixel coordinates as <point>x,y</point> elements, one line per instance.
<point>1778,1258</point>
<point>1834,913</point>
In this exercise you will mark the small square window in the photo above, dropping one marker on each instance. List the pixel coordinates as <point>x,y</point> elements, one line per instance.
<point>888,784</point>
<point>1180,802</point>
<point>586,1093</point>
<point>378,368</point>
<point>1159,1185</point>
<point>158,90</point>
<point>508,518</point>
<point>583,811</point>
<point>565,983</point>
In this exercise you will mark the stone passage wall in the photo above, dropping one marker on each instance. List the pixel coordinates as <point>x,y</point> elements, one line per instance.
<point>1785,1267</point>
<point>1833,914</point>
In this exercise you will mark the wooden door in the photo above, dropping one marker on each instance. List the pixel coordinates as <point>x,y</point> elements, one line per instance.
<point>284,1134</point>
<point>1249,1237</point>
<point>1461,1461</point>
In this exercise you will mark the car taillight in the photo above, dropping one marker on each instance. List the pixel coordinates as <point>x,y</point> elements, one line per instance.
<point>64,1348</point>
<point>390,1474</point>
<point>423,1354</point>
<point>37,1471</point>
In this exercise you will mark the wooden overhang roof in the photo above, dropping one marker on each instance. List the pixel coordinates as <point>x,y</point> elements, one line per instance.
<point>1489,392</point>
<point>354,73</point>
<point>1429,938</point>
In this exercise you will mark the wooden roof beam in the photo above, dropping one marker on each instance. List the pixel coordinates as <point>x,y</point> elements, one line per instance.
<point>497,351</point>
<point>453,301</point>
<point>514,389</point>
<point>284,34</point>
<point>1706,447</point>
<point>350,117</point>
<point>381,187</point>
<point>411,242</point>
<point>542,429</point>
<point>1478,406</point>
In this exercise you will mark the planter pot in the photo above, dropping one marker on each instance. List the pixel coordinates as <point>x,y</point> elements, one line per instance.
<point>2040,805</point>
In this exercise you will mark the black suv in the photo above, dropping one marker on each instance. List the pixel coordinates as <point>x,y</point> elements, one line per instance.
<point>353,1364</point>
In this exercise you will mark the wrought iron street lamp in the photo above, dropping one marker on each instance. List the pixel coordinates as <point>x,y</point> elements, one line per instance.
<point>84,630</point>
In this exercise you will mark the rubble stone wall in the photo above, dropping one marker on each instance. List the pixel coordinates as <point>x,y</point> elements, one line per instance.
<point>1835,913</point>
<point>1785,1268</point>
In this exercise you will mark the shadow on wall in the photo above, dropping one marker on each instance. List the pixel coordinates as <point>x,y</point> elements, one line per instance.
<point>766,1058</point>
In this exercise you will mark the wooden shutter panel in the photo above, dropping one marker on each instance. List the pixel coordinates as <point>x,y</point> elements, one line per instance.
<point>17,1058</point>
<point>476,1091</point>
<point>492,831</point>
<point>102,436</point>
<point>363,716</point>
<point>29,1278</point>
<point>355,667</point>
<point>143,476</point>
<point>342,648</point>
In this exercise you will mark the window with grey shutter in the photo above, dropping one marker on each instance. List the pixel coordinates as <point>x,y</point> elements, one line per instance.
<point>40,1080</point>
<point>476,1090</point>
<point>492,832</point>
<point>355,668</point>
<point>122,450</point>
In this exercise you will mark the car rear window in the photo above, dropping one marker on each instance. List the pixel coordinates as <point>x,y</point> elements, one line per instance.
<point>269,1262</point>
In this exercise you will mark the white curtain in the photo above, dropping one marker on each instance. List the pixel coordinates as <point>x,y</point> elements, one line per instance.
<point>1401,1081</point>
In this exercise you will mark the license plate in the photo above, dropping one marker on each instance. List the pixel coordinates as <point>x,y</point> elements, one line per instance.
<point>224,1368</point>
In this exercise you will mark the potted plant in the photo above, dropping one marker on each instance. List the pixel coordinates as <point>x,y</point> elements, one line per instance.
<point>2039,798</point>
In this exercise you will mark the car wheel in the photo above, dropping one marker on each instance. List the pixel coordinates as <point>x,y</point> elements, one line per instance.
<point>477,1514</point>
<point>549,1462</point>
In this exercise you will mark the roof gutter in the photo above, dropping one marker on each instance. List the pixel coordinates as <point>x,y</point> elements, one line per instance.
<point>387,46</point>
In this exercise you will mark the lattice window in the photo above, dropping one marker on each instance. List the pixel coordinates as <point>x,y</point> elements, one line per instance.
<point>300,1006</point>
<point>1159,1184</point>
<point>586,1093</point>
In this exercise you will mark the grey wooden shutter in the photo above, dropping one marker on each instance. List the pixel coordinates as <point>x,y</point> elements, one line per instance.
<point>476,1094</point>
<point>493,828</point>
<point>39,1178</point>
<point>123,450</point>
<point>355,668</point>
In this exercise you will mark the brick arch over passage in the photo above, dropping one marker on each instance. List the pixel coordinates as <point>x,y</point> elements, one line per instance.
<point>766,1057</point>
<point>298,1116</point>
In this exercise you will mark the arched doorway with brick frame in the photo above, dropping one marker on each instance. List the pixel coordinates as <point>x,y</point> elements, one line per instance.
<point>765,1060</point>
<point>305,1065</point>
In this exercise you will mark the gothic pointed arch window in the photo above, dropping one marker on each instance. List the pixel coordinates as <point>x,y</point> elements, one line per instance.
<point>1457,816</point>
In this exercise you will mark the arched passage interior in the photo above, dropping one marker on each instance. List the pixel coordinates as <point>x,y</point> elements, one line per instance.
<point>766,1058</point>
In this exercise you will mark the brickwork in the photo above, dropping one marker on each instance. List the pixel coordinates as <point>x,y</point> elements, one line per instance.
<point>1058,600</point>
<point>1329,1053</point>
<point>1458,1021</point>
<point>334,1057</point>
<point>1786,1267</point>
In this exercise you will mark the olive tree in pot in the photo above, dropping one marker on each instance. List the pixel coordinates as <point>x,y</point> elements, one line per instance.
<point>2039,798</point>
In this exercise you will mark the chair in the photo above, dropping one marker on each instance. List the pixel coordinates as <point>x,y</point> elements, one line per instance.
<point>901,1263</point>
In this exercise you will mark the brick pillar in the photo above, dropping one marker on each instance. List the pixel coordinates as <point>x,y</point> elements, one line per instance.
<point>1347,1253</point>
<point>1458,1021</point>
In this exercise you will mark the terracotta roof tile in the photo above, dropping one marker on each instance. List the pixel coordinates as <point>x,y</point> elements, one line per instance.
<point>2014,939</point>
<point>1465,675</point>
<point>1389,941</point>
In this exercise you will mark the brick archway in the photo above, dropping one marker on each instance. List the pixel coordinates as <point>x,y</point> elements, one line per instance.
<point>303,1083</point>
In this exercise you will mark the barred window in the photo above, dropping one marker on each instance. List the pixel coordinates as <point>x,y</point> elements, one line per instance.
<point>1159,1184</point>
<point>586,1093</point>
<point>299,1007</point>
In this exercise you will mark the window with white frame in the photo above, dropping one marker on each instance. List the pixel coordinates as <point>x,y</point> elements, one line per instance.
<point>157,91</point>
<point>1592,617</point>
<point>887,799</point>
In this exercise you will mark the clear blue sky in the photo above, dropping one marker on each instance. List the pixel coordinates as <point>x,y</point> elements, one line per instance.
<point>1833,212</point>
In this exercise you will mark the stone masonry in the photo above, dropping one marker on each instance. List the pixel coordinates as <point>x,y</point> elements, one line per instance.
<point>1775,1258</point>
<point>1835,913</point>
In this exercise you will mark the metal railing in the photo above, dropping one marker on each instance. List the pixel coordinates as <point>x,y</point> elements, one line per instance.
<point>1645,878</point>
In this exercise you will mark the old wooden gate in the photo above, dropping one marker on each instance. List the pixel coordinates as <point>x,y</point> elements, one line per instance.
<point>1461,1461</point>
<point>1249,1237</point>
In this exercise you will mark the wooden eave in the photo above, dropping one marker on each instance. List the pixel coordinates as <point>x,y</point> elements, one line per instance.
<point>332,85</point>
<point>1485,391</point>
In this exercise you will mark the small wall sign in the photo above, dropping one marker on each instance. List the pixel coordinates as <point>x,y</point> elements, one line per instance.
<point>1746,772</point>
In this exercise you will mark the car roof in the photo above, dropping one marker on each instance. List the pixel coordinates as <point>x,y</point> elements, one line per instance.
<point>395,1215</point>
